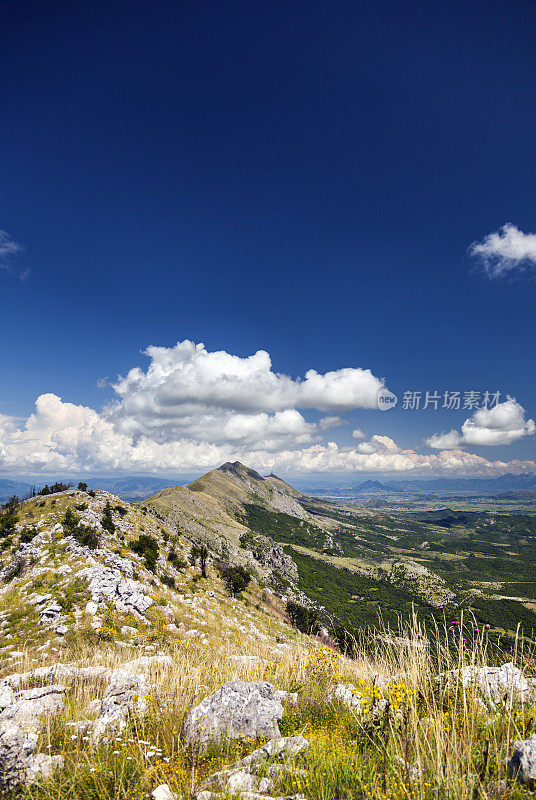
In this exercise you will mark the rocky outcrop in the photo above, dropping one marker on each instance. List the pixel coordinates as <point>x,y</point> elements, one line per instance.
<point>245,776</point>
<point>495,684</point>
<point>126,594</point>
<point>238,710</point>
<point>125,693</point>
<point>18,762</point>
<point>345,693</point>
<point>273,557</point>
<point>30,705</point>
<point>522,765</point>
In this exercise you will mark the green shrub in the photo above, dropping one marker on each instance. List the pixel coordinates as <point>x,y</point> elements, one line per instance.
<point>303,618</point>
<point>168,580</point>
<point>27,534</point>
<point>107,520</point>
<point>147,547</point>
<point>83,534</point>
<point>176,561</point>
<point>236,578</point>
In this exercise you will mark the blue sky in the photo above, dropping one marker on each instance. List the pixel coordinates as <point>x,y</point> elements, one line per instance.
<point>300,179</point>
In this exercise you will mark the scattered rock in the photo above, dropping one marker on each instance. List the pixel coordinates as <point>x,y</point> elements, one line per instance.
<point>522,765</point>
<point>346,693</point>
<point>238,710</point>
<point>496,684</point>
<point>243,776</point>
<point>163,792</point>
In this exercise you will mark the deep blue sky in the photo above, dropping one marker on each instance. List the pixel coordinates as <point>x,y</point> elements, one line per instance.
<point>303,178</point>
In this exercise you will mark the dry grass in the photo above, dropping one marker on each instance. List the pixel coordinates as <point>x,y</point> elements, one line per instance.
<point>427,742</point>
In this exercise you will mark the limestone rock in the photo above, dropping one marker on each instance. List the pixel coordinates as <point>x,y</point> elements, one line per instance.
<point>522,765</point>
<point>238,710</point>
<point>110,584</point>
<point>243,776</point>
<point>50,613</point>
<point>16,754</point>
<point>32,704</point>
<point>346,693</point>
<point>43,766</point>
<point>495,684</point>
<point>163,792</point>
<point>124,693</point>
<point>287,698</point>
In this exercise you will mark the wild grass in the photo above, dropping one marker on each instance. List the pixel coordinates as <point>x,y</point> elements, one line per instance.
<point>417,737</point>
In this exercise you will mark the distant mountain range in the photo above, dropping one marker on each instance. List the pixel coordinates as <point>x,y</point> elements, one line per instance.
<point>138,487</point>
<point>478,486</point>
<point>131,488</point>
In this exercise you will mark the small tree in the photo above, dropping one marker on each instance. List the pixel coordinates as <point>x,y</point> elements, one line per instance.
<point>203,555</point>
<point>82,487</point>
<point>194,554</point>
<point>303,618</point>
<point>236,579</point>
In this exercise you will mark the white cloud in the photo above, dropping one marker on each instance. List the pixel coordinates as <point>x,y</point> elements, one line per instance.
<point>369,458</point>
<point>64,438</point>
<point>222,398</point>
<point>192,410</point>
<point>505,250</point>
<point>330,422</point>
<point>502,424</point>
<point>357,433</point>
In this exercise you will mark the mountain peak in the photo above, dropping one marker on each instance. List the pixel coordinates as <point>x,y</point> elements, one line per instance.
<point>237,468</point>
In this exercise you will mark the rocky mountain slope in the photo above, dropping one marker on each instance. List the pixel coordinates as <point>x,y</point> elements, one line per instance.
<point>354,564</point>
<point>126,673</point>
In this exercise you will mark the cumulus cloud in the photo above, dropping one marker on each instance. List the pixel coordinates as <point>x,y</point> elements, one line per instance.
<point>502,424</point>
<point>357,433</point>
<point>222,398</point>
<point>506,250</point>
<point>65,438</point>
<point>191,410</point>
<point>370,458</point>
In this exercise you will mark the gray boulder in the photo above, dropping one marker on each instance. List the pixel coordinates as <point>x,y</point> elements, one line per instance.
<point>345,693</point>
<point>522,765</point>
<point>244,776</point>
<point>18,764</point>
<point>125,693</point>
<point>238,710</point>
<point>495,684</point>
<point>50,613</point>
